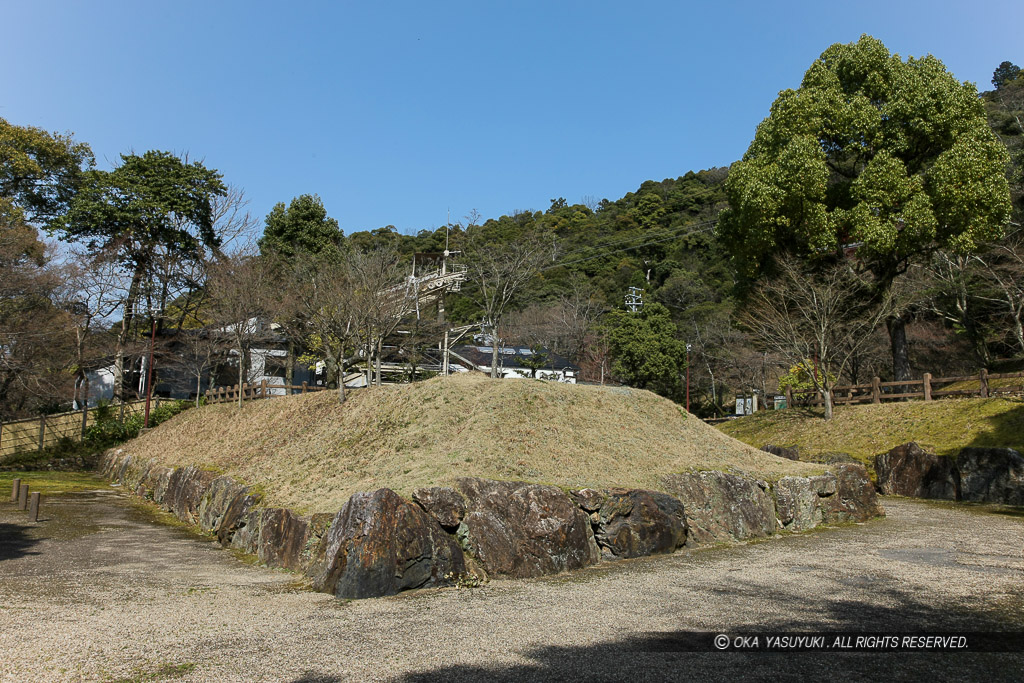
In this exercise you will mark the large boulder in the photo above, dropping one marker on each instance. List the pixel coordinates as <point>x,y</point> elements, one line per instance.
<point>236,516</point>
<point>523,530</point>
<point>216,501</point>
<point>380,544</point>
<point>796,504</point>
<point>722,507</point>
<point>908,470</point>
<point>788,452</point>
<point>282,538</point>
<point>991,475</point>
<point>443,503</point>
<point>634,523</point>
<point>247,531</point>
<point>855,499</point>
<point>185,489</point>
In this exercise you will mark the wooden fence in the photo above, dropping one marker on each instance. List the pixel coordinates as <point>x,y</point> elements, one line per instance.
<point>36,433</point>
<point>927,388</point>
<point>251,392</point>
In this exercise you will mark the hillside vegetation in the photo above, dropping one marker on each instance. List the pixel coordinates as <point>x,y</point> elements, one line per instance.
<point>942,427</point>
<point>310,454</point>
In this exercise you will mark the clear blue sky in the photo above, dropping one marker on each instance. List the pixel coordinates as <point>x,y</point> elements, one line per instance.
<point>395,112</point>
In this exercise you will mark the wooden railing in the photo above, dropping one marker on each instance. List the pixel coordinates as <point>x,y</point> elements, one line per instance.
<point>927,388</point>
<point>252,392</point>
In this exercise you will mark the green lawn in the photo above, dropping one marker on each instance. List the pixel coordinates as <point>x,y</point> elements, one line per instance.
<point>51,483</point>
<point>942,427</point>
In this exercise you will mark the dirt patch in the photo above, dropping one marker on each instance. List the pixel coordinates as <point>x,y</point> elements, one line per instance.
<point>137,601</point>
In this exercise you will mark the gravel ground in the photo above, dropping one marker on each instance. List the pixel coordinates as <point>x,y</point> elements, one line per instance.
<point>97,591</point>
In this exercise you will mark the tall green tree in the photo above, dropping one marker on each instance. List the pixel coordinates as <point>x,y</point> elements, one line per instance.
<point>891,158</point>
<point>39,171</point>
<point>1005,73</point>
<point>150,207</point>
<point>302,226</point>
<point>646,351</point>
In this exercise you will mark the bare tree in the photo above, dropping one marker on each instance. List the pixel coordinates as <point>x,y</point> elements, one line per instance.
<point>92,289</point>
<point>196,352</point>
<point>320,291</point>
<point>804,315</point>
<point>380,298</point>
<point>242,295</point>
<point>500,270</point>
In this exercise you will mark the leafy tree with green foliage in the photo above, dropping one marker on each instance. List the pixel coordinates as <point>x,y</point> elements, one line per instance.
<point>534,361</point>
<point>1005,73</point>
<point>150,207</point>
<point>39,171</point>
<point>302,226</point>
<point>892,158</point>
<point>646,351</point>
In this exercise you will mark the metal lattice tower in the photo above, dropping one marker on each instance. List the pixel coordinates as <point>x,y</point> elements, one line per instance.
<point>634,299</point>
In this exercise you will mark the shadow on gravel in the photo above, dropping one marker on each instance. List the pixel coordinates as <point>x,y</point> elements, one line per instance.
<point>15,541</point>
<point>654,656</point>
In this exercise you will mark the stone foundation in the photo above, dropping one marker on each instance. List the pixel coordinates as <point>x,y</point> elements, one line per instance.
<point>380,544</point>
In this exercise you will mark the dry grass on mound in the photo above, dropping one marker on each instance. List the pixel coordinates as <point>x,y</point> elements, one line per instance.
<point>311,454</point>
<point>942,427</point>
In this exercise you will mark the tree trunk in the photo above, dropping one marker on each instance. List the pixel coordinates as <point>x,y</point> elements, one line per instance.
<point>241,375</point>
<point>125,332</point>
<point>826,395</point>
<point>341,381</point>
<point>199,387</point>
<point>897,327</point>
<point>380,350</point>
<point>494,357</point>
<point>289,367</point>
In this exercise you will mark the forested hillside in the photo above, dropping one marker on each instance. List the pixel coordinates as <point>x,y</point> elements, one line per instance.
<point>921,239</point>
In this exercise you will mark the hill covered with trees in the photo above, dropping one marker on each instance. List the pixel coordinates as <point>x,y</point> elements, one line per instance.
<point>924,229</point>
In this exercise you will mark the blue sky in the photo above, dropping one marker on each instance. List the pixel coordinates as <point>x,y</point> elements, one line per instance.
<point>395,113</point>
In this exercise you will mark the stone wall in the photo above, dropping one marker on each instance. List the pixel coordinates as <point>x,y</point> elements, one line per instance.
<point>380,544</point>
<point>979,475</point>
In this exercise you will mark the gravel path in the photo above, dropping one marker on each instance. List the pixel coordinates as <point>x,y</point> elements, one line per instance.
<point>99,592</point>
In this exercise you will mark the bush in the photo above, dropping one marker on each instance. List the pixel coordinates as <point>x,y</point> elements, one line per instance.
<point>108,431</point>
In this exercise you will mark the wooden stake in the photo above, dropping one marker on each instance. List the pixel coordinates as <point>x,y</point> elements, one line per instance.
<point>876,390</point>
<point>927,386</point>
<point>15,489</point>
<point>33,511</point>
<point>23,497</point>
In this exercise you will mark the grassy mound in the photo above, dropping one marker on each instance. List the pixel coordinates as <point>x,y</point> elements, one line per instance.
<point>311,454</point>
<point>942,427</point>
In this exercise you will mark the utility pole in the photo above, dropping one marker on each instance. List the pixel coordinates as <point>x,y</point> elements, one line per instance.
<point>688,377</point>
<point>149,368</point>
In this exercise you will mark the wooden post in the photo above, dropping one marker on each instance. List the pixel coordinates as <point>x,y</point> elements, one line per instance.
<point>15,489</point>
<point>42,432</point>
<point>984,383</point>
<point>789,397</point>
<point>927,386</point>
<point>263,389</point>
<point>304,387</point>
<point>876,390</point>
<point>246,394</point>
<point>33,510</point>
<point>23,497</point>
